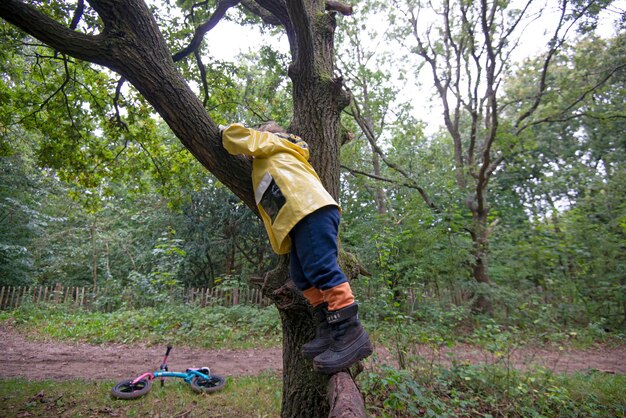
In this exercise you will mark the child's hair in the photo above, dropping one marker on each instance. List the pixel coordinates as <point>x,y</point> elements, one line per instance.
<point>272,127</point>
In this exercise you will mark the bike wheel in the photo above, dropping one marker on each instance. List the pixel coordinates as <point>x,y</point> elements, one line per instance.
<point>214,383</point>
<point>127,390</point>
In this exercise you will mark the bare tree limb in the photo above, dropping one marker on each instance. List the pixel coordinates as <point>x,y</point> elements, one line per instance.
<point>505,37</point>
<point>544,70</point>
<point>555,43</point>
<point>78,14</point>
<point>191,15</point>
<point>442,84</point>
<point>201,30</point>
<point>410,184</point>
<point>205,83</point>
<point>274,9</point>
<point>303,35</point>
<point>559,117</point>
<point>371,137</point>
<point>116,103</point>
<point>492,103</point>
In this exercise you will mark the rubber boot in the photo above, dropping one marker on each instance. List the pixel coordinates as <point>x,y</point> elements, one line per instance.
<point>350,343</point>
<point>322,339</point>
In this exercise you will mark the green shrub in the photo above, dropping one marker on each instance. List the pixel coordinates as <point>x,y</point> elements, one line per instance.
<point>490,391</point>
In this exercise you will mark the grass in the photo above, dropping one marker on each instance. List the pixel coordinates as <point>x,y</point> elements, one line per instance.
<point>238,327</point>
<point>462,391</point>
<point>242,397</point>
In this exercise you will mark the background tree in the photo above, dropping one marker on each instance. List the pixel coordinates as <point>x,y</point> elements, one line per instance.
<point>468,50</point>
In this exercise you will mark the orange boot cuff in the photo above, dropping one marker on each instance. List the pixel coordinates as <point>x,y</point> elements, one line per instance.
<point>314,296</point>
<point>339,296</point>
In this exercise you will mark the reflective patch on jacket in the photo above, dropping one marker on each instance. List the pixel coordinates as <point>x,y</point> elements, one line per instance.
<point>262,187</point>
<point>269,196</point>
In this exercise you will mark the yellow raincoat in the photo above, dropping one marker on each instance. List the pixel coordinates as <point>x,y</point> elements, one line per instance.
<point>286,188</point>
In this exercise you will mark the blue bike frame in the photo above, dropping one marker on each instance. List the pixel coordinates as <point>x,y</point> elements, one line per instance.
<point>163,372</point>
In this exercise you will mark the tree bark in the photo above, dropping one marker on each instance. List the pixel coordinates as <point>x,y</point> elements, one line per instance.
<point>480,252</point>
<point>94,253</point>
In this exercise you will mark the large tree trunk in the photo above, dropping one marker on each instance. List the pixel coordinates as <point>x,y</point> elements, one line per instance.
<point>303,389</point>
<point>132,45</point>
<point>318,99</point>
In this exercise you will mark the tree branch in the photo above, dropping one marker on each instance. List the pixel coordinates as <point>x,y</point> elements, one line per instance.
<point>442,85</point>
<point>78,14</point>
<point>486,18</point>
<point>411,184</point>
<point>154,161</point>
<point>68,107</point>
<point>265,15</point>
<point>116,103</point>
<point>336,6</point>
<point>559,116</point>
<point>271,10</point>
<point>201,30</point>
<point>32,21</point>
<point>555,42</point>
<point>344,397</point>
<point>368,130</point>
<point>505,37</point>
<point>205,83</point>
<point>191,16</point>
<point>61,88</point>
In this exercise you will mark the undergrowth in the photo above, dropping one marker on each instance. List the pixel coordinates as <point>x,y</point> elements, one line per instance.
<point>432,322</point>
<point>491,391</point>
<point>439,383</point>
<point>235,327</point>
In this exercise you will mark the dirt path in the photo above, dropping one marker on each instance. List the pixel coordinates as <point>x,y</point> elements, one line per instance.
<point>603,359</point>
<point>62,360</point>
<point>66,360</point>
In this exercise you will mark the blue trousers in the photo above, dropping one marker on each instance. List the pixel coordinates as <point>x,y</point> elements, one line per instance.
<point>314,250</point>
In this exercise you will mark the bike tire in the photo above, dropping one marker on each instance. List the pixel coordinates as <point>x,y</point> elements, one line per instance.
<point>213,384</point>
<point>127,390</point>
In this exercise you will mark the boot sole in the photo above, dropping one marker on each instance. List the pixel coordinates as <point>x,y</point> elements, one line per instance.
<point>364,350</point>
<point>312,354</point>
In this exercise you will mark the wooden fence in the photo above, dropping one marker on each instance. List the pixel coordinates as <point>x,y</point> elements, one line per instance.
<point>14,296</point>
